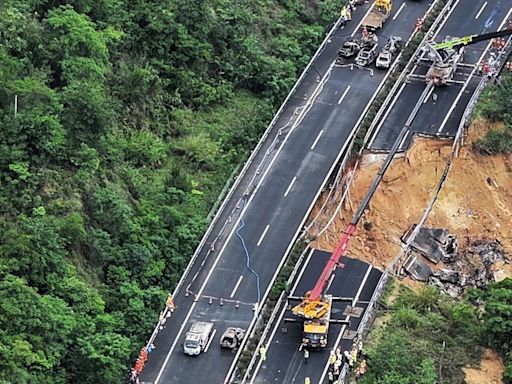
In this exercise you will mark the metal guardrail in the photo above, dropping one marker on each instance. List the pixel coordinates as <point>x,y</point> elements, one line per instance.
<point>407,68</point>
<point>393,266</point>
<point>275,311</point>
<point>240,177</point>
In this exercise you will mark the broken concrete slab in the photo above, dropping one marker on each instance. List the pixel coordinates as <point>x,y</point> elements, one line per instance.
<point>436,244</point>
<point>447,276</point>
<point>349,334</point>
<point>417,268</point>
<point>353,311</point>
<point>476,266</point>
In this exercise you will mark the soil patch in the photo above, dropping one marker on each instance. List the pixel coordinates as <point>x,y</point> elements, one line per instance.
<point>490,371</point>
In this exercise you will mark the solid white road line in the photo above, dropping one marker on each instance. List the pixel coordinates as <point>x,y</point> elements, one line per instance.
<point>236,285</point>
<point>290,187</point>
<point>340,335</point>
<point>317,138</point>
<point>461,92</point>
<point>481,10</point>
<point>235,226</point>
<point>281,315</point>
<point>428,95</point>
<point>330,282</point>
<point>344,94</point>
<point>404,139</point>
<point>263,235</point>
<point>356,29</point>
<point>356,298</point>
<point>399,10</point>
<point>388,110</point>
<point>439,29</point>
<point>210,341</point>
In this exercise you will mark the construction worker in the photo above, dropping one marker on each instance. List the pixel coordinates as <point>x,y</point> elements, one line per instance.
<point>306,355</point>
<point>263,353</point>
<point>354,355</point>
<point>307,380</point>
<point>348,355</point>
<point>332,358</point>
<point>362,367</point>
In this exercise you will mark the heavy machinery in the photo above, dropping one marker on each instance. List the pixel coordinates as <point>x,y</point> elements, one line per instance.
<point>448,55</point>
<point>378,15</point>
<point>316,323</point>
<point>392,47</point>
<point>232,337</point>
<point>197,338</point>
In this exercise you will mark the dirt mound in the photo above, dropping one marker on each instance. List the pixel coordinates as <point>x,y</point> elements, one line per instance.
<point>490,371</point>
<point>475,202</point>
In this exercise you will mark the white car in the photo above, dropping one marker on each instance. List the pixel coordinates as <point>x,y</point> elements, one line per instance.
<point>384,60</point>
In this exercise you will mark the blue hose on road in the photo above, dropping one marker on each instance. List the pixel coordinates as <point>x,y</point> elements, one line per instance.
<point>248,259</point>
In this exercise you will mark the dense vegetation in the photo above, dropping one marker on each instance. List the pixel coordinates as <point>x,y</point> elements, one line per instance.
<point>496,106</point>
<point>427,338</point>
<point>130,117</point>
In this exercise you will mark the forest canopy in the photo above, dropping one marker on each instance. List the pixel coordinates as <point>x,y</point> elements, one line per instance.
<point>121,123</point>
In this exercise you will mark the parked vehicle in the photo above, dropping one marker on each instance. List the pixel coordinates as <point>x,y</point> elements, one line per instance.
<point>366,56</point>
<point>232,338</point>
<point>197,338</point>
<point>378,15</point>
<point>392,47</point>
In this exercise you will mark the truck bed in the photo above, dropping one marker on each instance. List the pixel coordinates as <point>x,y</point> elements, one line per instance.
<point>375,19</point>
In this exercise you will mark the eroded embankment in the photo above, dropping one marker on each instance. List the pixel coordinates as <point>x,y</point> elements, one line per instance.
<point>475,202</point>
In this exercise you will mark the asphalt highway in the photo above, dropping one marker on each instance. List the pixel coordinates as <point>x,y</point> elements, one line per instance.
<point>285,363</point>
<point>316,125</point>
<point>440,115</point>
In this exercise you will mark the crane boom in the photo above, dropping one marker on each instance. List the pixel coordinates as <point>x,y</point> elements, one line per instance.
<point>332,263</point>
<point>471,39</point>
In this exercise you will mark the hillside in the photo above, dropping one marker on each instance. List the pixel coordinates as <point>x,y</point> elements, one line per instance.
<point>121,123</point>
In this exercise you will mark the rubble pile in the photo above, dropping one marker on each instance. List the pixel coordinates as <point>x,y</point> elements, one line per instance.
<point>475,266</point>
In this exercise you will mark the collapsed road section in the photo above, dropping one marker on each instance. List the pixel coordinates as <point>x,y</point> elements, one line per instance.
<point>232,273</point>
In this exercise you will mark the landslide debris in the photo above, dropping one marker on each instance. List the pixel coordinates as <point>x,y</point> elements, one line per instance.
<point>474,205</point>
<point>477,265</point>
<point>490,371</point>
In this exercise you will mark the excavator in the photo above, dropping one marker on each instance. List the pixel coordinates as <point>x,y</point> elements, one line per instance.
<point>447,56</point>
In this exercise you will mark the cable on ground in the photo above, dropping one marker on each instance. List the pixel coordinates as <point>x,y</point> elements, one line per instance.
<point>248,258</point>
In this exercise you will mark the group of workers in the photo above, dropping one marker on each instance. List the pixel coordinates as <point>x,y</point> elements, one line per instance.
<point>336,362</point>
<point>351,358</point>
<point>136,370</point>
<point>346,12</point>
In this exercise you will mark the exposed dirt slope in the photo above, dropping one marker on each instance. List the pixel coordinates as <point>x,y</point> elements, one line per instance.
<point>476,200</point>
<point>490,371</point>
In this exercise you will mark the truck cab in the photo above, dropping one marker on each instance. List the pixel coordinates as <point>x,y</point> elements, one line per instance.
<point>315,334</point>
<point>197,338</point>
<point>192,345</point>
